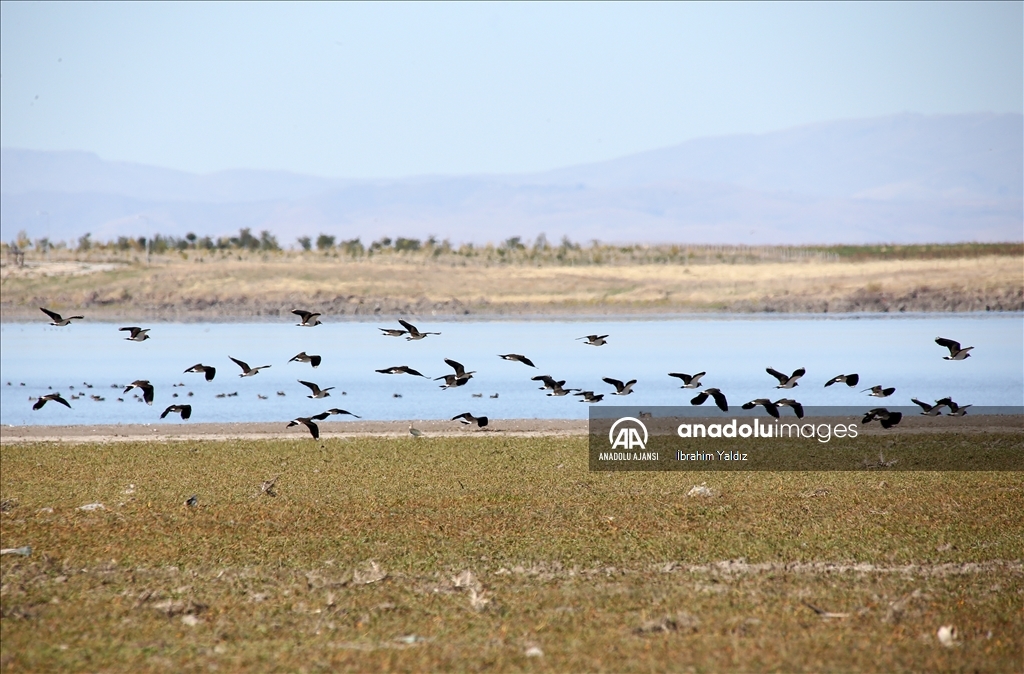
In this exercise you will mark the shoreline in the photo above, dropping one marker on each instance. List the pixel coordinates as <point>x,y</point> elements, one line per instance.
<point>769,308</point>
<point>173,432</point>
<point>613,314</point>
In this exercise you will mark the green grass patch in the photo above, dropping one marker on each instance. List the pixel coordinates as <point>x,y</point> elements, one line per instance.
<point>360,560</point>
<point>925,251</point>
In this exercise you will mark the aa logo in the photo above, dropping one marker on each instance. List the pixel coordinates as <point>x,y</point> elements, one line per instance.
<point>628,436</point>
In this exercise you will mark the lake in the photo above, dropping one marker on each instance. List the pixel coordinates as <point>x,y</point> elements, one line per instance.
<point>898,351</point>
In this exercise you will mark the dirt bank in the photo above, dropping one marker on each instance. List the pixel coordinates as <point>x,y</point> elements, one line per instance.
<point>227,289</point>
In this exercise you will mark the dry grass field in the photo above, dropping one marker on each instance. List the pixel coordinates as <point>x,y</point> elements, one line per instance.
<point>192,288</point>
<point>491,553</point>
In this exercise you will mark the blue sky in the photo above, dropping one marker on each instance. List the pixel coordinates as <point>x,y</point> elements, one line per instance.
<point>389,90</point>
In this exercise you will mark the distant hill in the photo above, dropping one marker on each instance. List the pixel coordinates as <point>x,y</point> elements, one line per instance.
<point>904,179</point>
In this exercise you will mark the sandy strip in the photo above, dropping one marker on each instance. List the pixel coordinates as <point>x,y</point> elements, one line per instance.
<point>434,428</point>
<point>267,431</point>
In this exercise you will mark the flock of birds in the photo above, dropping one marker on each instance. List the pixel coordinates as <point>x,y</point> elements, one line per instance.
<point>886,418</point>
<point>555,388</point>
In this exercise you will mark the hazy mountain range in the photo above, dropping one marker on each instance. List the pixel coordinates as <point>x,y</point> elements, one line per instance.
<point>903,179</point>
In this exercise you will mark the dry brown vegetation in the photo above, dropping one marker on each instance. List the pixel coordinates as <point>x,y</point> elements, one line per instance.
<point>496,553</point>
<point>194,287</point>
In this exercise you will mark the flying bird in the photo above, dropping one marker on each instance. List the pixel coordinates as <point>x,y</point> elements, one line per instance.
<point>467,418</point>
<point>620,388</point>
<point>55,397</point>
<point>798,409</point>
<point>317,392</point>
<point>689,380</point>
<point>786,381</point>
<point>314,430</point>
<point>184,410</point>
<point>401,369</point>
<point>954,409</point>
<point>309,318</point>
<point>848,379</point>
<point>137,334</point>
<point>335,410</point>
<point>768,405</point>
<point>209,371</point>
<point>879,392</point>
<point>930,410</point>
<point>594,340</point>
<point>518,358</point>
<point>719,397</point>
<point>549,381</point>
<point>145,387</point>
<point>885,417</point>
<point>590,396</point>
<point>451,380</point>
<point>955,352</point>
<point>246,370</point>
<point>302,357</point>
<point>459,378</point>
<point>557,391</point>
<point>59,320</point>
<point>413,332</point>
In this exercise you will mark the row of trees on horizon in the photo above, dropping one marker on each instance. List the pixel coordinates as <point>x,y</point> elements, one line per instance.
<point>513,248</point>
<point>245,240</point>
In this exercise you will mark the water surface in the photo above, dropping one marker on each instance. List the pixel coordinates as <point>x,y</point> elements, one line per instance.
<point>899,351</point>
